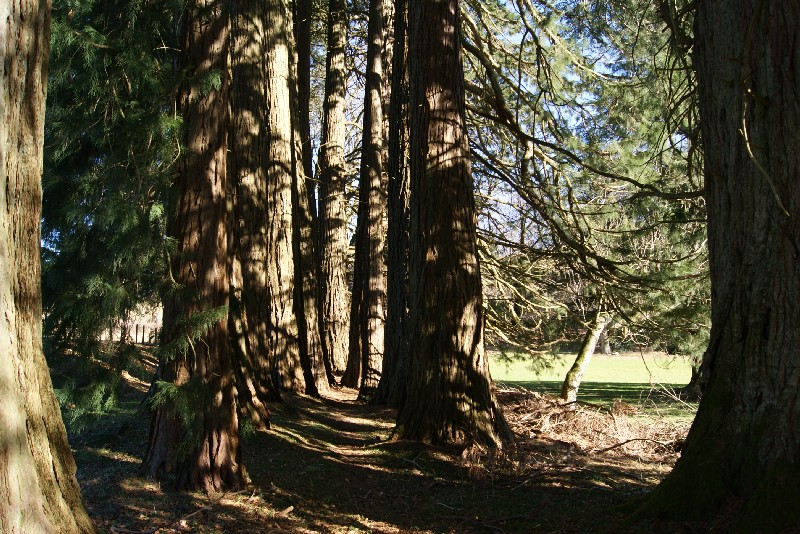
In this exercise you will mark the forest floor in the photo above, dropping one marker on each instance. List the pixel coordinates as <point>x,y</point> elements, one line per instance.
<point>330,465</point>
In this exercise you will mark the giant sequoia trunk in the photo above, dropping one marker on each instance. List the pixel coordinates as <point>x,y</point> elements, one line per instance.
<point>194,433</point>
<point>281,169</point>
<point>367,308</point>
<point>38,488</point>
<point>333,202</point>
<point>250,312</point>
<point>392,387</point>
<point>449,394</point>
<point>313,351</point>
<point>741,455</point>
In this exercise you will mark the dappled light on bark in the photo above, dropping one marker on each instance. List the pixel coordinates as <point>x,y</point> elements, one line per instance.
<point>449,395</point>
<point>199,449</point>
<point>38,488</point>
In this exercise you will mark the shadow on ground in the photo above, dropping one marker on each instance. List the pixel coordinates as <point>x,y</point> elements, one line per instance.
<point>329,466</point>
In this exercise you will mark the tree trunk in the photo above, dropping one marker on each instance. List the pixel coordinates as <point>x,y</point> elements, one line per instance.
<point>569,390</point>
<point>392,387</point>
<point>333,210</point>
<point>302,33</point>
<point>449,392</point>
<point>38,488</point>
<point>318,373</point>
<point>367,309</point>
<point>194,433</point>
<point>693,391</point>
<point>741,455</point>
<point>250,313</point>
<point>605,344</point>
<point>280,134</point>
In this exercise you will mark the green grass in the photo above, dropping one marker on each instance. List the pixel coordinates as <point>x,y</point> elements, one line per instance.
<point>641,381</point>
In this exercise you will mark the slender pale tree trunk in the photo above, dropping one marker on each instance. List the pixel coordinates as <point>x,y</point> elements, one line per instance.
<point>333,209</point>
<point>449,391</point>
<point>200,450</point>
<point>250,313</point>
<point>367,309</point>
<point>741,455</point>
<point>572,382</point>
<point>38,488</point>
<point>392,386</point>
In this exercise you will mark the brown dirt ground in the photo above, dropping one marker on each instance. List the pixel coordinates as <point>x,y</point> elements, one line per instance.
<point>330,466</point>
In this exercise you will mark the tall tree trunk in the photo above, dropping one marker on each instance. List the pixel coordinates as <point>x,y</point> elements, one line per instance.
<point>319,374</point>
<point>333,210</point>
<point>302,33</point>
<point>392,386</point>
<point>250,313</point>
<point>572,381</point>
<point>281,172</point>
<point>741,455</point>
<point>367,309</point>
<point>449,394</point>
<point>194,433</point>
<point>38,488</point>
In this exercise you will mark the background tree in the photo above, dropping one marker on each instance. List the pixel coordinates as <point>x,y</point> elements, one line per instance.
<point>391,389</point>
<point>38,488</point>
<point>367,306</point>
<point>250,316</point>
<point>307,266</point>
<point>194,433</point>
<point>111,141</point>
<point>333,201</point>
<point>449,396</point>
<point>280,132</point>
<point>740,458</point>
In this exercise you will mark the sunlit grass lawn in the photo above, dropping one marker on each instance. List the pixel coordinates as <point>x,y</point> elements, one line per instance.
<point>644,381</point>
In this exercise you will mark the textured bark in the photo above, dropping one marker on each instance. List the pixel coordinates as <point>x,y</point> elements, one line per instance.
<point>318,373</point>
<point>693,391</point>
<point>250,313</point>
<point>449,396</point>
<point>302,33</point>
<point>572,381</point>
<point>199,266</point>
<point>279,131</point>
<point>741,455</point>
<point>333,210</point>
<point>368,305</point>
<point>392,386</point>
<point>38,488</point>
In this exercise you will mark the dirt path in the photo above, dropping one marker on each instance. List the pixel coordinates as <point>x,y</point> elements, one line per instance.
<point>327,466</point>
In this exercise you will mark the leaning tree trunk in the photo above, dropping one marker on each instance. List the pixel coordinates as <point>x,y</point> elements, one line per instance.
<point>333,202</point>
<point>367,309</point>
<point>250,313</point>
<point>449,392</point>
<point>194,433</point>
<point>280,134</point>
<point>741,455</point>
<point>392,387</point>
<point>38,488</point>
<point>572,382</point>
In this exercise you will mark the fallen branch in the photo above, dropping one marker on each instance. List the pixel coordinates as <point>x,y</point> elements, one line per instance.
<point>629,441</point>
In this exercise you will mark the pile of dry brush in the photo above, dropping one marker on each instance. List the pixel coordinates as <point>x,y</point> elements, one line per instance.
<point>552,434</point>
